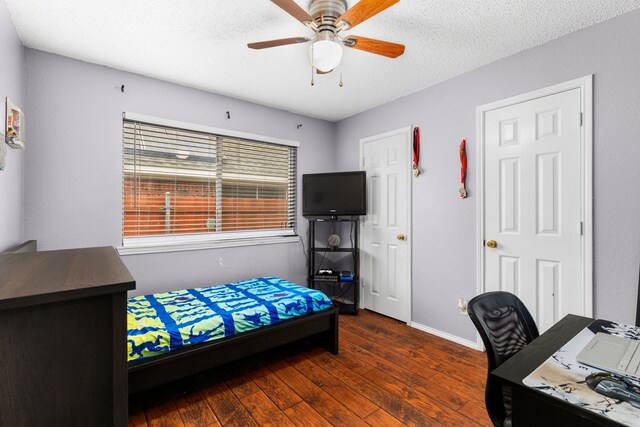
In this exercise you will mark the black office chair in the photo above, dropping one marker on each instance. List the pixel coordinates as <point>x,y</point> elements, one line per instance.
<point>506,326</point>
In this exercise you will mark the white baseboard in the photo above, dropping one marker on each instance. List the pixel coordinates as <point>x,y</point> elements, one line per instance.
<point>446,336</point>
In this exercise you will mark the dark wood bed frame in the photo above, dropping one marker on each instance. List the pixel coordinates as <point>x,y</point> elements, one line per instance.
<point>321,327</point>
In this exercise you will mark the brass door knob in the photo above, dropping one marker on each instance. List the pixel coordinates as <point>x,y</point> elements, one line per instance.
<point>402,237</point>
<point>492,244</point>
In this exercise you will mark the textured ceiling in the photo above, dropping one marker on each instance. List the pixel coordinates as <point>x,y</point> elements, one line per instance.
<point>203,44</point>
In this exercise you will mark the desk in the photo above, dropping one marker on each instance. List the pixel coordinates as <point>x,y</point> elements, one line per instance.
<point>531,407</point>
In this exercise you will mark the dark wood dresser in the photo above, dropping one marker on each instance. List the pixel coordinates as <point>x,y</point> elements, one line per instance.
<point>63,338</point>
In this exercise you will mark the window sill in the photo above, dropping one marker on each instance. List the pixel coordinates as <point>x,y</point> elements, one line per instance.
<point>156,247</point>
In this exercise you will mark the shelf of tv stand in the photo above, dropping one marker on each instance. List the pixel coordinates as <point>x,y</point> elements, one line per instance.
<point>347,218</point>
<point>356,250</point>
<point>325,279</point>
<point>345,307</point>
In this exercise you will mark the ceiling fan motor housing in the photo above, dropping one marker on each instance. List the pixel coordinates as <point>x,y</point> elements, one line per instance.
<point>325,13</point>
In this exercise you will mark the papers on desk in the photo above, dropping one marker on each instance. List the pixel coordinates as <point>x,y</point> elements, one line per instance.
<point>562,377</point>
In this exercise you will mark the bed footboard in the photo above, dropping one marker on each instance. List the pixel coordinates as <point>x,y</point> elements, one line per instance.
<point>151,372</point>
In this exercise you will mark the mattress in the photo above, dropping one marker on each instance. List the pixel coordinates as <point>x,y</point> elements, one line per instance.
<point>159,323</point>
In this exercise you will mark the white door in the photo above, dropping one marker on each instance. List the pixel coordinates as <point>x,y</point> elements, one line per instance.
<point>385,252</point>
<point>532,205</point>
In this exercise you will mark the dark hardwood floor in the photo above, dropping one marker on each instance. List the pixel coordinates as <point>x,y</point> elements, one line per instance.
<point>386,374</point>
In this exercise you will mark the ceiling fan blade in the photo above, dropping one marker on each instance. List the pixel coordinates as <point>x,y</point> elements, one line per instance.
<point>379,47</point>
<point>279,42</point>
<point>293,9</point>
<point>364,10</point>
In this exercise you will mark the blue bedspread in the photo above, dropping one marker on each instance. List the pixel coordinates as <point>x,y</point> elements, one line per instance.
<point>159,323</point>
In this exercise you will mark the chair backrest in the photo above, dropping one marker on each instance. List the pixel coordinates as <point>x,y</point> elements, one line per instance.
<point>505,326</point>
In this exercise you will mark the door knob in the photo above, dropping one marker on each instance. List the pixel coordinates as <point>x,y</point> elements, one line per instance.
<point>492,244</point>
<point>402,237</point>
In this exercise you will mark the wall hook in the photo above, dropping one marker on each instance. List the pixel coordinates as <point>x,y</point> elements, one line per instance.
<point>122,88</point>
<point>299,126</point>
<point>228,115</point>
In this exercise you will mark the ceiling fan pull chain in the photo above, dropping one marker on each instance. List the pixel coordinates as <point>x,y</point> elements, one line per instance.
<point>340,84</point>
<point>312,70</point>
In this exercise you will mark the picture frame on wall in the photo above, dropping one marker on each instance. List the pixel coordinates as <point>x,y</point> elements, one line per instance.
<point>3,152</point>
<point>14,126</point>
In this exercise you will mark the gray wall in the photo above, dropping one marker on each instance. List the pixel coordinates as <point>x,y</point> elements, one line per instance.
<point>74,166</point>
<point>11,179</point>
<point>444,227</point>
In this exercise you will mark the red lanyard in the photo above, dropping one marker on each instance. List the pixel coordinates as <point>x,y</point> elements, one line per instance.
<point>416,151</point>
<point>463,168</point>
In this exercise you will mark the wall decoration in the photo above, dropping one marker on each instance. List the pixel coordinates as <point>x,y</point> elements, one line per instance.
<point>416,151</point>
<point>14,135</point>
<point>463,169</point>
<point>3,153</point>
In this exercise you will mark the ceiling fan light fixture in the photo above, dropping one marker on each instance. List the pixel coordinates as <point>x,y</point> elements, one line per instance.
<point>325,55</point>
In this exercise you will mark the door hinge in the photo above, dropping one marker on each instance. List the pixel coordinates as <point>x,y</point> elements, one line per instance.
<point>581,119</point>
<point>581,228</point>
<point>484,243</point>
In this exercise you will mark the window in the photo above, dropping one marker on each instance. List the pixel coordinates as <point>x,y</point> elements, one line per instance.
<point>186,186</point>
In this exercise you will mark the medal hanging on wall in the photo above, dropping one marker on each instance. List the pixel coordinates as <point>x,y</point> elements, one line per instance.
<point>416,151</point>
<point>463,169</point>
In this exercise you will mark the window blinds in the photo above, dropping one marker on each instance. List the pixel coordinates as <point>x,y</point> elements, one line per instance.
<point>178,181</point>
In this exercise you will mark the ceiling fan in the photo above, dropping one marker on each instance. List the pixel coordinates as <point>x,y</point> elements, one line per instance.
<point>327,18</point>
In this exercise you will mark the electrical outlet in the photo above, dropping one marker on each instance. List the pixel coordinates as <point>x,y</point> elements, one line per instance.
<point>462,306</point>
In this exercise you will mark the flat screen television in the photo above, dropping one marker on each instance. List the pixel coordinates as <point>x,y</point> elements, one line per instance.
<point>334,194</point>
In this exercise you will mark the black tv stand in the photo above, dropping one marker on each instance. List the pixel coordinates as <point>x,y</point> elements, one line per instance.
<point>344,293</point>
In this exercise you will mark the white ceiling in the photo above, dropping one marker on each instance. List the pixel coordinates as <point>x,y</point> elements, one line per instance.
<point>203,44</point>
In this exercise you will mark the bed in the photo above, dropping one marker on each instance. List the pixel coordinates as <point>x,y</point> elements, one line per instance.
<point>153,367</point>
<point>175,334</point>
